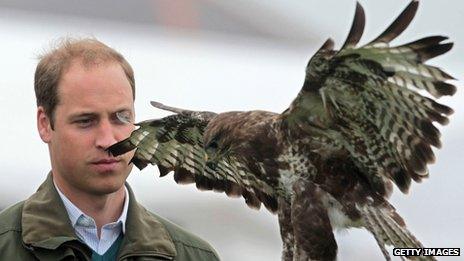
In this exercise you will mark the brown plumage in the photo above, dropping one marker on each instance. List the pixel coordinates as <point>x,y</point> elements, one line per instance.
<point>357,127</point>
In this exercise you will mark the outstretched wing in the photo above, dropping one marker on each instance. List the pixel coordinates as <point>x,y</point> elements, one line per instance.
<point>368,100</point>
<point>175,143</point>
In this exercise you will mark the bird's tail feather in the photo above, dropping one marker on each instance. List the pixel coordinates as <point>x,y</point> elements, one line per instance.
<point>389,228</point>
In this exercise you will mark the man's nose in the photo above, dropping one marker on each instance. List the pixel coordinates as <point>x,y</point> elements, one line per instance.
<point>106,135</point>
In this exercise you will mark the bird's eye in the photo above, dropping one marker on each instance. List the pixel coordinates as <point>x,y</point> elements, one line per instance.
<point>213,145</point>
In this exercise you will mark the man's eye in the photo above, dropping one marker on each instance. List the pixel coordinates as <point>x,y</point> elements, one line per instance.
<point>84,122</point>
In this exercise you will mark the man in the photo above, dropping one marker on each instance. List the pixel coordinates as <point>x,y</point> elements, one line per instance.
<point>85,210</point>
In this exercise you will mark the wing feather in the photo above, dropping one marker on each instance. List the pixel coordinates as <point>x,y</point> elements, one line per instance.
<point>368,100</point>
<point>175,144</point>
<point>399,25</point>
<point>357,28</point>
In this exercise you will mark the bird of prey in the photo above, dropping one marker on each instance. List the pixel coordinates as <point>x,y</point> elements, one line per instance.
<point>363,121</point>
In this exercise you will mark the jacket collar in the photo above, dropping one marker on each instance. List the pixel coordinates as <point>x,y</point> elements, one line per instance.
<point>45,224</point>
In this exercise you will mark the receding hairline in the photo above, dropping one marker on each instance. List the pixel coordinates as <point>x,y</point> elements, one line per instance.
<point>56,60</point>
<point>89,51</point>
<point>87,66</point>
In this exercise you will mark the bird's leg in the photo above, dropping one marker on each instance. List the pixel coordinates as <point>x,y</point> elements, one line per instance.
<point>286,229</point>
<point>314,239</point>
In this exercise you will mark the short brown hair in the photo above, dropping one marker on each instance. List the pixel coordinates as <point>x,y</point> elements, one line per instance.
<point>54,63</point>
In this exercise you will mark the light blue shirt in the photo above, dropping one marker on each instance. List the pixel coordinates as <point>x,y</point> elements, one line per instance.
<point>86,228</point>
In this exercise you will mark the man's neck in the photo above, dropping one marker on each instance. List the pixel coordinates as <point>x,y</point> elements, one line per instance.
<point>103,208</point>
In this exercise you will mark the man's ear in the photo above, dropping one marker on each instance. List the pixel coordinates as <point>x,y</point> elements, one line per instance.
<point>44,125</point>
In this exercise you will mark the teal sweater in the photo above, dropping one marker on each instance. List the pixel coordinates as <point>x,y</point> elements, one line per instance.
<point>110,254</point>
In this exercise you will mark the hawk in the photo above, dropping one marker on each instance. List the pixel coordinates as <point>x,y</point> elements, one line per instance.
<point>363,121</point>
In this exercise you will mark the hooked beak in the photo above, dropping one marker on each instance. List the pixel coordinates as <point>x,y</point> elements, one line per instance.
<point>210,163</point>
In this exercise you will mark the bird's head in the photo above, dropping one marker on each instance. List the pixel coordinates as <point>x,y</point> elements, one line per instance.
<point>219,141</point>
<point>215,150</point>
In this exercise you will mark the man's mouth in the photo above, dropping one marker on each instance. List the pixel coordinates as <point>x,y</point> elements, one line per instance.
<point>106,161</point>
<point>106,165</point>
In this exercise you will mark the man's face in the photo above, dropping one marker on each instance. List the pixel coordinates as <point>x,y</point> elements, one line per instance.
<point>85,124</point>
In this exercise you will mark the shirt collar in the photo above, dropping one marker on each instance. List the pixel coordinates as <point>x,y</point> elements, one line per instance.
<point>75,213</point>
<point>46,225</point>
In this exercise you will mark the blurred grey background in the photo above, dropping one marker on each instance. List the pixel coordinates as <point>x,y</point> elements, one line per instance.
<point>219,56</point>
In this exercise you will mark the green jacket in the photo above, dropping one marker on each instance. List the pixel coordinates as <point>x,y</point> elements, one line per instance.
<point>39,229</point>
